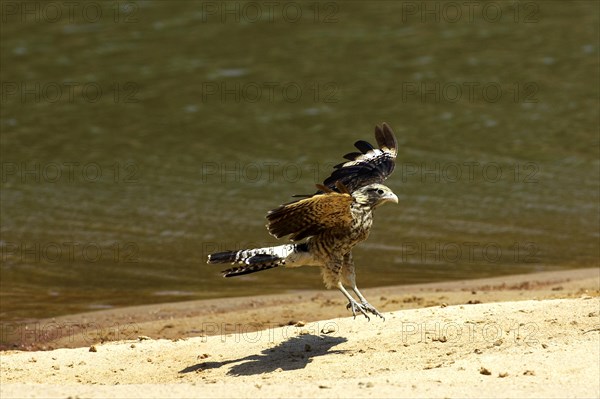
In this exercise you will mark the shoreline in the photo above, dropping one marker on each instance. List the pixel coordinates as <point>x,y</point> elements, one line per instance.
<point>546,348</point>
<point>531,335</point>
<point>177,320</point>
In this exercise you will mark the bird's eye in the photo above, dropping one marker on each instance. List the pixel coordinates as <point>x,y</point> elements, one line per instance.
<point>380,192</point>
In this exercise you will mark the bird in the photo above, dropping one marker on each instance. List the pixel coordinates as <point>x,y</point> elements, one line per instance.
<point>324,227</point>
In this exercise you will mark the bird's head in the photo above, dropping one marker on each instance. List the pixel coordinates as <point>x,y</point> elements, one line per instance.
<point>374,195</point>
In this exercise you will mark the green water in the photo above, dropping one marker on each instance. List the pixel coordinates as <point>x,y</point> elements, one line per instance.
<point>137,137</point>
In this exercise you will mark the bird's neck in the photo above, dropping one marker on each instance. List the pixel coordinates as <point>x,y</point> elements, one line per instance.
<point>360,208</point>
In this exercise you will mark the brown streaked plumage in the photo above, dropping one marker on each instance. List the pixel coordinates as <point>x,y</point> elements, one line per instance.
<point>331,221</point>
<point>311,216</point>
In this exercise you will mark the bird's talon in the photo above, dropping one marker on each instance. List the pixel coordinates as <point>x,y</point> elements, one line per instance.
<point>369,308</point>
<point>354,305</point>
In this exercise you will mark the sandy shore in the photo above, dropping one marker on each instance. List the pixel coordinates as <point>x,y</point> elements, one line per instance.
<point>518,336</point>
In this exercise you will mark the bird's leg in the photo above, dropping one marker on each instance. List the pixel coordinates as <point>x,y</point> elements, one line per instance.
<point>349,276</point>
<point>366,305</point>
<point>353,305</point>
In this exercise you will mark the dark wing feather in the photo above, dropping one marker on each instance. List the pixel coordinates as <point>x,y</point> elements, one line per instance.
<point>352,156</point>
<point>363,146</point>
<point>310,216</point>
<point>368,166</point>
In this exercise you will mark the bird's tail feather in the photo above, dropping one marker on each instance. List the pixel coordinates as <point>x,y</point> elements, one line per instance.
<point>255,260</point>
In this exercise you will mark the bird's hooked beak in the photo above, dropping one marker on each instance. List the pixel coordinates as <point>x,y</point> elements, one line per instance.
<point>390,197</point>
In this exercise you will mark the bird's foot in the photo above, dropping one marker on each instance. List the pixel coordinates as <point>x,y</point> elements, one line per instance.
<point>355,306</point>
<point>371,309</point>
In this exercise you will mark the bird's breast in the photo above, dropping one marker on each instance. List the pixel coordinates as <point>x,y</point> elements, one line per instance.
<point>361,225</point>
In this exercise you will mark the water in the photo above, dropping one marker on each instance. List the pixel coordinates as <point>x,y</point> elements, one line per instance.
<point>136,142</point>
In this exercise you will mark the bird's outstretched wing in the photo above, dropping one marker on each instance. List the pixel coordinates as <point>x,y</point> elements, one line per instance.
<point>370,165</point>
<point>310,216</point>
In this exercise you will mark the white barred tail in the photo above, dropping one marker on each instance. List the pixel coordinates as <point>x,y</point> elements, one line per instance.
<point>258,259</point>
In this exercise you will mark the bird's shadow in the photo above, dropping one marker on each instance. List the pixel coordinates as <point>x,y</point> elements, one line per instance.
<point>292,354</point>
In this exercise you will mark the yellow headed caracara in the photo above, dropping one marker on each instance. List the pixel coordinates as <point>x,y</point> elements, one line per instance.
<point>325,226</point>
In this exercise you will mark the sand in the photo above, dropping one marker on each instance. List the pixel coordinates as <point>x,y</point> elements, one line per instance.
<point>519,336</point>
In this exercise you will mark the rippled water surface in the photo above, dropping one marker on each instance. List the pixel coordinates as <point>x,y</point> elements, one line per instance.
<point>138,141</point>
